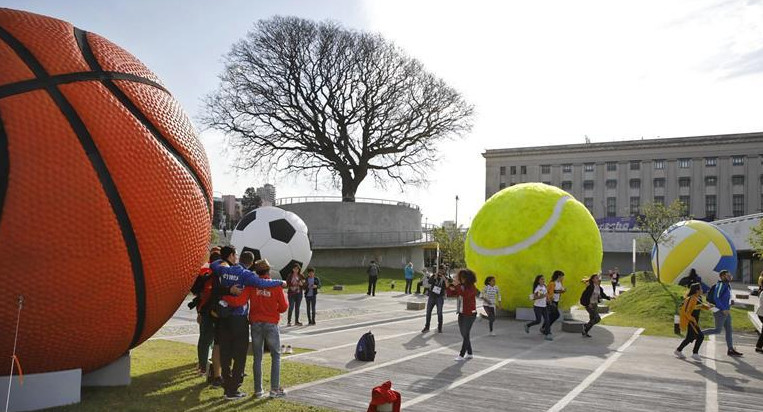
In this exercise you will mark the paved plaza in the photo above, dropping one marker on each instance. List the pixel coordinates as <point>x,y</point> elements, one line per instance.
<point>618,369</point>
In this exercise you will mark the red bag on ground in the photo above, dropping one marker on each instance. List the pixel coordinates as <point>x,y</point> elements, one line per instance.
<point>382,395</point>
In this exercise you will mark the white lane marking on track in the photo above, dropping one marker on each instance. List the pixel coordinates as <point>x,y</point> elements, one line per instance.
<point>471,377</point>
<point>711,387</point>
<point>528,241</point>
<point>595,374</point>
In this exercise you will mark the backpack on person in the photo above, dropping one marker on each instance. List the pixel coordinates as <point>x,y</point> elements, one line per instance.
<point>711,294</point>
<point>366,349</point>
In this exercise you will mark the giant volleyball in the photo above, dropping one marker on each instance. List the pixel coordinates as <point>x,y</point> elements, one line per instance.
<point>694,244</point>
<point>105,197</point>
<point>533,229</point>
<point>274,234</point>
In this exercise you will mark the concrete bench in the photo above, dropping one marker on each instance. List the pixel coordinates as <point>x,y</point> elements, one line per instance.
<point>601,309</point>
<point>416,305</point>
<point>742,296</point>
<point>752,288</point>
<point>572,326</point>
<point>338,287</point>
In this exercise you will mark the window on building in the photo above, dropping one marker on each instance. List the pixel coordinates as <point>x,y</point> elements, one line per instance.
<point>588,167</point>
<point>611,184</point>
<point>635,165</point>
<point>737,160</point>
<point>737,205</point>
<point>711,206</point>
<point>501,186</point>
<point>660,200</point>
<point>684,182</point>
<point>635,183</point>
<point>588,184</point>
<point>684,163</point>
<point>659,164</point>
<point>566,185</point>
<point>545,169</point>
<point>711,181</point>
<point>588,203</point>
<point>659,182</point>
<point>635,205</point>
<point>686,201</point>
<point>611,166</point>
<point>567,168</point>
<point>503,171</point>
<point>523,170</point>
<point>513,170</point>
<point>737,180</point>
<point>611,207</point>
<point>711,161</point>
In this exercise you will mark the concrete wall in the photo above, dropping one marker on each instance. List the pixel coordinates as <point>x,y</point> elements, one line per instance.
<point>394,257</point>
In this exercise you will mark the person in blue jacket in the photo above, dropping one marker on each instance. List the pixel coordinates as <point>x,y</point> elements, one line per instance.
<point>408,278</point>
<point>722,312</point>
<point>233,326</point>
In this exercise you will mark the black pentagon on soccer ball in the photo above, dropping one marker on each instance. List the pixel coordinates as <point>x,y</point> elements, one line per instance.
<point>246,220</point>
<point>287,269</point>
<point>282,230</point>
<point>255,252</point>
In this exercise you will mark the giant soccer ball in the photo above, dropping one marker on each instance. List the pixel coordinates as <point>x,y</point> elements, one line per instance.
<point>694,244</point>
<point>533,229</point>
<point>276,235</point>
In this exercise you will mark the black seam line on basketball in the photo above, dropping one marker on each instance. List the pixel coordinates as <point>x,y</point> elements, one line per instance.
<point>87,53</point>
<point>25,86</point>
<point>5,166</point>
<point>99,166</point>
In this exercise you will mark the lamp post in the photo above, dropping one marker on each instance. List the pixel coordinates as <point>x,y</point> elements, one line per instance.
<point>456,211</point>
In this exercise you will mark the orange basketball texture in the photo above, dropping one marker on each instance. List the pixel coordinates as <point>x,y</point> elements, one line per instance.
<point>105,201</point>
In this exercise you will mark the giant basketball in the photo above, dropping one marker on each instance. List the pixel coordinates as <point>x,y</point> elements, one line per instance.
<point>694,244</point>
<point>104,197</point>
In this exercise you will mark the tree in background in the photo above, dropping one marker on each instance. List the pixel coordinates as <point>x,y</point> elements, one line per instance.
<point>451,241</point>
<point>302,97</point>
<point>756,239</point>
<point>655,219</point>
<point>250,201</point>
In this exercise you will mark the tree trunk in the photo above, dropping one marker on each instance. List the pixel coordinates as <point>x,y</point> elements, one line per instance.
<point>349,187</point>
<point>657,258</point>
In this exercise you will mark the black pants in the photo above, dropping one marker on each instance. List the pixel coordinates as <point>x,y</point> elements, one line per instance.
<point>310,300</point>
<point>760,338</point>
<point>234,339</point>
<point>295,300</point>
<point>553,315</point>
<point>465,323</point>
<point>432,301</point>
<point>490,316</point>
<point>372,285</point>
<point>541,314</point>
<point>408,284</point>
<point>419,284</point>
<point>593,316</point>
<point>693,334</point>
<point>614,288</point>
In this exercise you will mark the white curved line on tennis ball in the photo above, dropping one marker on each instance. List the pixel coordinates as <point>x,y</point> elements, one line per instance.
<point>529,241</point>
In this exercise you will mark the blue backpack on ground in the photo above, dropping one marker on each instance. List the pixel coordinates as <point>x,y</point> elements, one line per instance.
<point>366,349</point>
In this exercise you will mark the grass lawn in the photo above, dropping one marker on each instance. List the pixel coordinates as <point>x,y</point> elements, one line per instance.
<point>355,280</point>
<point>164,378</point>
<point>651,306</point>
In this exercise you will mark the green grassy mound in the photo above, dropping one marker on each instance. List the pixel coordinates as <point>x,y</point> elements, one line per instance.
<point>355,280</point>
<point>651,306</point>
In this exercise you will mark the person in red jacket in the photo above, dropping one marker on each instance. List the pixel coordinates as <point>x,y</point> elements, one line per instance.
<point>464,288</point>
<point>265,309</point>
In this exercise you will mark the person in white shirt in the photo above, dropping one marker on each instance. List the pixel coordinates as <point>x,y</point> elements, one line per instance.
<point>491,296</point>
<point>540,303</point>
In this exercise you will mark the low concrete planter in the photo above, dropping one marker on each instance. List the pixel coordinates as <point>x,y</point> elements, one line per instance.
<point>602,309</point>
<point>744,306</point>
<point>524,314</point>
<point>742,296</point>
<point>338,287</point>
<point>572,326</point>
<point>416,305</point>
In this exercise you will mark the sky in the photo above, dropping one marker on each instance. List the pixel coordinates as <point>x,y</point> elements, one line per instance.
<point>538,73</point>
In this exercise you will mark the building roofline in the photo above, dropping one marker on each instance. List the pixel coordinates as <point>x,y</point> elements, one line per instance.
<point>627,144</point>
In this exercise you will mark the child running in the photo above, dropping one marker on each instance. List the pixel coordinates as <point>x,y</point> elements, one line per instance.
<point>463,287</point>
<point>491,296</point>
<point>555,290</point>
<point>540,300</point>
<point>689,313</point>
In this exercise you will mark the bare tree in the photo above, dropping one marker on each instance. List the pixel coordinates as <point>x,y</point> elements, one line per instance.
<point>655,220</point>
<point>306,97</point>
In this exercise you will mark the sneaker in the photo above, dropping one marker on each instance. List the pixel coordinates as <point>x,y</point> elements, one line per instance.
<point>548,337</point>
<point>469,356</point>
<point>759,350</point>
<point>585,334</point>
<point>288,324</point>
<point>235,395</point>
<point>527,329</point>
<point>492,333</point>
<point>458,358</point>
<point>679,354</point>
<point>439,330</point>
<point>278,393</point>
<point>217,382</point>
<point>283,349</point>
<point>734,353</point>
<point>696,357</point>
<point>259,394</point>
<point>289,349</point>
<point>425,330</point>
<point>297,323</point>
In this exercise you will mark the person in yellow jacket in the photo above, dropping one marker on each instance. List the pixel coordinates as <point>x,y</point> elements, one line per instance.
<point>689,314</point>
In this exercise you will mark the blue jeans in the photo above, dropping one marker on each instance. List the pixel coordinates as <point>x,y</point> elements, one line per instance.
<point>295,300</point>
<point>541,314</point>
<point>432,301</point>
<point>266,333</point>
<point>206,339</point>
<point>721,321</point>
<point>465,323</point>
<point>310,300</point>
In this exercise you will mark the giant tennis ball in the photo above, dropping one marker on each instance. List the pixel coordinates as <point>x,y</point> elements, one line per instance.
<point>105,197</point>
<point>694,244</point>
<point>533,229</point>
